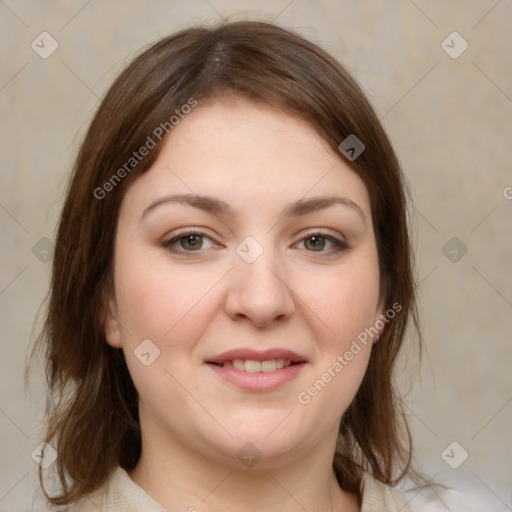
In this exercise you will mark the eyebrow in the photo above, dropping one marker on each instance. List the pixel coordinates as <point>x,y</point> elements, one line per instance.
<point>218,207</point>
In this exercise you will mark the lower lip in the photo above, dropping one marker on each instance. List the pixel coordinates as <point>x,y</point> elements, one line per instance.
<point>258,381</point>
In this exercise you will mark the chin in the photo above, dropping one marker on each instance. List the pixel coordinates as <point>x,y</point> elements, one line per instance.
<point>260,444</point>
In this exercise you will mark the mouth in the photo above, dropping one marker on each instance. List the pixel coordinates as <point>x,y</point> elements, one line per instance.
<point>252,361</point>
<point>257,371</point>
<point>253,366</point>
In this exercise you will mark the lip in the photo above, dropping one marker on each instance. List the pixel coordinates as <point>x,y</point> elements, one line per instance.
<point>257,355</point>
<point>257,381</point>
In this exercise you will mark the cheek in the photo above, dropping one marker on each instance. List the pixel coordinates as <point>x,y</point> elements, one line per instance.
<point>343,308</point>
<point>345,304</point>
<point>160,302</point>
<point>172,308</point>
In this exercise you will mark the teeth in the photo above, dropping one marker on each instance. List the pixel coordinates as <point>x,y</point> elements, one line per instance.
<point>269,366</point>
<point>253,366</point>
<point>238,364</point>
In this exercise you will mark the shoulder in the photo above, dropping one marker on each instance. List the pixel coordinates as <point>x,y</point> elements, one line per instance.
<point>445,499</point>
<point>379,497</point>
<point>119,493</point>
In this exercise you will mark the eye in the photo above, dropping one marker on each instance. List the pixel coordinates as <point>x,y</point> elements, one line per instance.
<point>317,242</point>
<point>194,241</point>
<point>190,241</point>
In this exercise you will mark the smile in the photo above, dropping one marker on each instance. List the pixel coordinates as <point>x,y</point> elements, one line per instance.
<point>253,366</point>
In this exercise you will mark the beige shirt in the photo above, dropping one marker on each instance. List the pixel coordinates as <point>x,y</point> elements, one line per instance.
<point>121,493</point>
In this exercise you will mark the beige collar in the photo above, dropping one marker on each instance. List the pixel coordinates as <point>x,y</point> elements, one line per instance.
<point>121,493</point>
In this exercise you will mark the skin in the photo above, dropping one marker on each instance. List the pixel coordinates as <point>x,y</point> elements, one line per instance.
<point>296,295</point>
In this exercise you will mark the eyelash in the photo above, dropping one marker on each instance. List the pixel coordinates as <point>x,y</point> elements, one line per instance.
<point>339,245</point>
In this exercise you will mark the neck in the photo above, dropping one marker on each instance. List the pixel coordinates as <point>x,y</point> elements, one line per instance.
<point>180,478</point>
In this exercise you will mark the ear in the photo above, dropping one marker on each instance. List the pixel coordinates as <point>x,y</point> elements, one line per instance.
<point>111,324</point>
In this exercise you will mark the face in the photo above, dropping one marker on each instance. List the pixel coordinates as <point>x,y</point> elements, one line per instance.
<point>245,269</point>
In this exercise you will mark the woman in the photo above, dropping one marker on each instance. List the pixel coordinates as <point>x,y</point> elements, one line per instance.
<point>232,282</point>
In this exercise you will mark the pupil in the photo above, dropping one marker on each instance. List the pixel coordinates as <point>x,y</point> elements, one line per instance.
<point>192,240</point>
<point>317,241</point>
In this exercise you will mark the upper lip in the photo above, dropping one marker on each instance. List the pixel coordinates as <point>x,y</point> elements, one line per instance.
<point>257,355</point>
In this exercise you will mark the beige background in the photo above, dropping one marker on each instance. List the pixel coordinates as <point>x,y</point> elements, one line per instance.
<point>449,118</point>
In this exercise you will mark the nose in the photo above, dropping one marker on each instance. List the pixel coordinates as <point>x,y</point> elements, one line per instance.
<point>259,290</point>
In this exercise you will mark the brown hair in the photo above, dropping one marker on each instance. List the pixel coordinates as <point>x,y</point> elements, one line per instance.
<point>92,419</point>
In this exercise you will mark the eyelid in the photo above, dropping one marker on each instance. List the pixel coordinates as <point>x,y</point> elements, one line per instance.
<point>324,233</point>
<point>189,231</point>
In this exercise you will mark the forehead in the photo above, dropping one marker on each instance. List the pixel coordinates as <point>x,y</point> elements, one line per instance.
<point>248,155</point>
